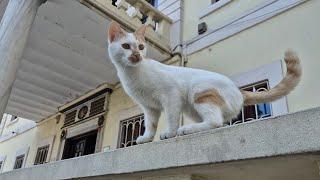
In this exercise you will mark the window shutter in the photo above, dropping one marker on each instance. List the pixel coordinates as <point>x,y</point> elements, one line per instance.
<point>97,106</point>
<point>70,118</point>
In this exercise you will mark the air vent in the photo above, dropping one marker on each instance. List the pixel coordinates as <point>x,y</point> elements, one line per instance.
<point>97,106</point>
<point>70,118</point>
<point>84,111</point>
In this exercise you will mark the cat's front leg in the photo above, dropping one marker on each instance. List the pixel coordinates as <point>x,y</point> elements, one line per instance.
<point>150,122</point>
<point>172,111</point>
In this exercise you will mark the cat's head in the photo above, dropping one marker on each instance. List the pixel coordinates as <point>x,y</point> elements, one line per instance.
<point>126,48</point>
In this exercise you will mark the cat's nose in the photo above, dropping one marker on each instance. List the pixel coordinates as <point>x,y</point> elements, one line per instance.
<point>137,54</point>
<point>135,57</point>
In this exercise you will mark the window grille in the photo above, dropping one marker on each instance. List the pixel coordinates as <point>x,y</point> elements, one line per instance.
<point>19,162</point>
<point>130,130</point>
<point>42,154</point>
<point>258,111</point>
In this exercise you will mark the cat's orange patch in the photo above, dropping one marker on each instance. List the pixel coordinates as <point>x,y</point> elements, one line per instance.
<point>210,96</point>
<point>115,31</point>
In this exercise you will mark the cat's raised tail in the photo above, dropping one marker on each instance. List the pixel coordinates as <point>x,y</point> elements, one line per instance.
<point>287,84</point>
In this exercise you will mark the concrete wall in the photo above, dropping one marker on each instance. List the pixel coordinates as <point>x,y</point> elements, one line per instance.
<point>173,9</point>
<point>215,18</point>
<point>264,43</point>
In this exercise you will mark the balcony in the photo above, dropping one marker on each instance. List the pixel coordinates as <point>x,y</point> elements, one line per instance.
<point>284,147</point>
<point>66,56</point>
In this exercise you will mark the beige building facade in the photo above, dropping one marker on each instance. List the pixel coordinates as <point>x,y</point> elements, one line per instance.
<point>82,124</point>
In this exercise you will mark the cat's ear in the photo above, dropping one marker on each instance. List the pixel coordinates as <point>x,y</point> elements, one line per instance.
<point>141,32</point>
<point>115,31</point>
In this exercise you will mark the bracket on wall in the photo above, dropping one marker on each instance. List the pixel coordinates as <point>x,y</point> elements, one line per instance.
<point>202,28</point>
<point>63,134</point>
<point>100,121</point>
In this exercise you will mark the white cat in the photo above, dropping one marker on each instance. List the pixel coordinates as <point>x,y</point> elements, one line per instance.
<point>206,97</point>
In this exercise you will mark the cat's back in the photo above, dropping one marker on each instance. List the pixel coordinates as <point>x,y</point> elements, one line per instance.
<point>184,72</point>
<point>185,77</point>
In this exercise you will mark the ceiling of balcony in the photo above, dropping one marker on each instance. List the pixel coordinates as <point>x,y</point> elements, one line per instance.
<point>64,58</point>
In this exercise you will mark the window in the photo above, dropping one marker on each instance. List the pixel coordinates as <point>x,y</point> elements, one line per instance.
<point>80,145</point>
<point>257,111</point>
<point>130,130</point>
<point>19,162</point>
<point>42,154</point>
<point>153,2</point>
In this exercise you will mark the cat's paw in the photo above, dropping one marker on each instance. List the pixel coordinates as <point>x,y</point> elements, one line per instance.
<point>168,134</point>
<point>144,139</point>
<point>187,129</point>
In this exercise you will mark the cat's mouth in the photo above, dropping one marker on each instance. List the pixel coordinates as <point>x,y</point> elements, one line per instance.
<point>135,58</point>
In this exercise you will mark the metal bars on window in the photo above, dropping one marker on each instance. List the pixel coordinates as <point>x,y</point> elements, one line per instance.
<point>252,112</point>
<point>130,130</point>
<point>19,162</point>
<point>42,154</point>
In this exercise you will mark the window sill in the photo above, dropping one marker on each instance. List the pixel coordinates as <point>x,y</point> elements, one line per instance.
<point>213,7</point>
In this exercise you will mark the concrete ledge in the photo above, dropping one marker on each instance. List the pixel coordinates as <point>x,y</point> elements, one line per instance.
<point>285,135</point>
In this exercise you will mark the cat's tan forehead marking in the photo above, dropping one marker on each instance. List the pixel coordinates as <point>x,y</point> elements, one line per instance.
<point>210,96</point>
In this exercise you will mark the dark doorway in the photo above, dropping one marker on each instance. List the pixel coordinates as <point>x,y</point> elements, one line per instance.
<point>81,145</point>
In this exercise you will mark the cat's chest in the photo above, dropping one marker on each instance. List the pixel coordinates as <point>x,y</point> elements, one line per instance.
<point>141,90</point>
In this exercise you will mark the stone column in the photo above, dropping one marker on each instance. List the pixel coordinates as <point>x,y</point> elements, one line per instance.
<point>3,103</point>
<point>14,29</point>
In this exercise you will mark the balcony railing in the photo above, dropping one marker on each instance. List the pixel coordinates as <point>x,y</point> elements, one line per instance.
<point>130,13</point>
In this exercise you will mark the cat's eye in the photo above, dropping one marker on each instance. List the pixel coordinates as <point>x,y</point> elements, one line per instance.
<point>141,46</point>
<point>125,46</point>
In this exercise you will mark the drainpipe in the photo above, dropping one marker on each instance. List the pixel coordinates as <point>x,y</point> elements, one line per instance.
<point>183,46</point>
